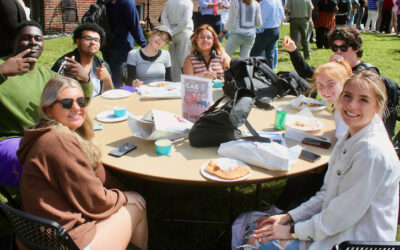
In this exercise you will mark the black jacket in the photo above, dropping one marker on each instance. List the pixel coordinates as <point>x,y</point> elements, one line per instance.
<point>11,15</point>
<point>97,61</point>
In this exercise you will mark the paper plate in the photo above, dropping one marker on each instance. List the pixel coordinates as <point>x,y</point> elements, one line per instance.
<point>108,116</point>
<point>303,123</point>
<point>116,94</point>
<point>159,84</point>
<point>302,102</point>
<point>216,178</point>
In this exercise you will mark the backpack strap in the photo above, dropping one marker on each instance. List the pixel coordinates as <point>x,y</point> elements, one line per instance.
<point>255,136</point>
<point>369,66</point>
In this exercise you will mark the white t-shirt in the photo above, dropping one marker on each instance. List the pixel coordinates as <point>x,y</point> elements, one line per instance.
<point>149,71</point>
<point>96,83</point>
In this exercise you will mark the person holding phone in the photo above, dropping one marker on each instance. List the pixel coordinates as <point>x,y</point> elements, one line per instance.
<point>359,198</point>
<point>63,178</point>
<point>22,80</point>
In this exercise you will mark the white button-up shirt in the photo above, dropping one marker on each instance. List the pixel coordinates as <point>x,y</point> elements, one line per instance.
<point>360,196</point>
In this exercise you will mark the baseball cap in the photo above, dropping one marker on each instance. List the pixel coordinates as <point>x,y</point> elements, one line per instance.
<point>165,29</point>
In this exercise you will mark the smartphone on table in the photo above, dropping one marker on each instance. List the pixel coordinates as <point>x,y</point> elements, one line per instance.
<point>309,156</point>
<point>122,150</point>
<point>316,143</point>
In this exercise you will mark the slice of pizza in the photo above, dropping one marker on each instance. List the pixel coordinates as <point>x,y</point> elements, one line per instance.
<point>228,173</point>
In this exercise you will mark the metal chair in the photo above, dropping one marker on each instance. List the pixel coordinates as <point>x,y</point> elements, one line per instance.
<point>69,12</point>
<point>37,233</point>
<point>367,245</point>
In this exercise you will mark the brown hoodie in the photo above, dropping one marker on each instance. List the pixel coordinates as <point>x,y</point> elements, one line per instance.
<point>59,184</point>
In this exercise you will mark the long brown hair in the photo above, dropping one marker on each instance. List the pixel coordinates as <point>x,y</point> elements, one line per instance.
<point>83,134</point>
<point>216,44</point>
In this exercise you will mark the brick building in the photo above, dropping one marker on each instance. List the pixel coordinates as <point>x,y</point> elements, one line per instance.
<point>49,13</point>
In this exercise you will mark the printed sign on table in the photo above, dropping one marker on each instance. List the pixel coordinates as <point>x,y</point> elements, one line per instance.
<point>197,96</point>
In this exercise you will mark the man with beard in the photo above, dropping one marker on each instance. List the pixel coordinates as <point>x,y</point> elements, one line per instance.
<point>88,37</point>
<point>22,80</point>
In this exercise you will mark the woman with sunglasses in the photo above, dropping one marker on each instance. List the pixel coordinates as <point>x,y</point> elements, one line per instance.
<point>63,178</point>
<point>207,58</point>
<point>358,200</point>
<point>151,63</point>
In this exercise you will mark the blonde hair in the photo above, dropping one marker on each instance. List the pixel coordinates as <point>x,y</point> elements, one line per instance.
<point>248,2</point>
<point>216,44</point>
<point>338,70</point>
<point>83,134</point>
<point>373,81</point>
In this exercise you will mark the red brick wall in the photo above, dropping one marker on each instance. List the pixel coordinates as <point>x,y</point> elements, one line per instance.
<point>51,16</point>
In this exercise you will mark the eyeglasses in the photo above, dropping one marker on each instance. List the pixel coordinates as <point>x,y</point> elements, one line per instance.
<point>166,40</point>
<point>343,48</point>
<point>205,37</point>
<point>68,102</point>
<point>90,38</point>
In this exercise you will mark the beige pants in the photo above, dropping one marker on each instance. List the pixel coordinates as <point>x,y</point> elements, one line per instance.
<point>179,48</point>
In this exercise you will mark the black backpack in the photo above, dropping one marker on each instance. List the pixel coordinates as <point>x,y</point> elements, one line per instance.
<point>97,13</point>
<point>393,102</point>
<point>255,74</point>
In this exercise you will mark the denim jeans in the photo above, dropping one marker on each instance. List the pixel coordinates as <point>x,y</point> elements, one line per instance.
<point>294,245</point>
<point>267,41</point>
<point>235,41</point>
<point>115,58</point>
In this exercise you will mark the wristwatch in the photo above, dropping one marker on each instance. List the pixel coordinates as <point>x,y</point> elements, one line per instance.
<point>292,233</point>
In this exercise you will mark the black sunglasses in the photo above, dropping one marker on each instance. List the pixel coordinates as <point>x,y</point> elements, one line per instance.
<point>68,102</point>
<point>343,48</point>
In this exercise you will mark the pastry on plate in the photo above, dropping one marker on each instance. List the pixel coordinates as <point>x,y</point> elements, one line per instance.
<point>228,171</point>
<point>158,84</point>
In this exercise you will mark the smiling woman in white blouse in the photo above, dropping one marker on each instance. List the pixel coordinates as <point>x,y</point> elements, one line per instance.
<point>359,199</point>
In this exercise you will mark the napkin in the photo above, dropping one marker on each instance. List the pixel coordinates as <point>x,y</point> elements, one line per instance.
<point>172,90</point>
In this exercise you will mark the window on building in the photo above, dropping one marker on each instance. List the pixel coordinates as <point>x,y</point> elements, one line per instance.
<point>140,8</point>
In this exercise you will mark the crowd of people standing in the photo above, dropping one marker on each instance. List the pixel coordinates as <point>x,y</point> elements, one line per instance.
<point>46,145</point>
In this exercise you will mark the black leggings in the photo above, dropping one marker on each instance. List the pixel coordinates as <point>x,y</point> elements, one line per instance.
<point>322,37</point>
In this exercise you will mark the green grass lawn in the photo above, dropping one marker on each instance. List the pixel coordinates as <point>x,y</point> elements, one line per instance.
<point>200,202</point>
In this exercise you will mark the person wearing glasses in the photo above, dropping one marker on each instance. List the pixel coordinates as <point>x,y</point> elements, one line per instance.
<point>63,179</point>
<point>151,63</point>
<point>207,57</point>
<point>88,38</point>
<point>345,42</point>
<point>22,80</point>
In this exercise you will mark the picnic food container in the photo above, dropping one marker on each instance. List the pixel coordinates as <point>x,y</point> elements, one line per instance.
<point>119,111</point>
<point>163,146</point>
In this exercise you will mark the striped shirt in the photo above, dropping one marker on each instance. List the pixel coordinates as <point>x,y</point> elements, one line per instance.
<point>215,65</point>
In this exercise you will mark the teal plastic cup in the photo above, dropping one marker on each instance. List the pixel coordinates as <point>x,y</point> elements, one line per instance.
<point>119,111</point>
<point>217,83</point>
<point>163,146</point>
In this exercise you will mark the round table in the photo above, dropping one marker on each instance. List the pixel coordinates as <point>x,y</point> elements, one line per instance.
<point>184,163</point>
